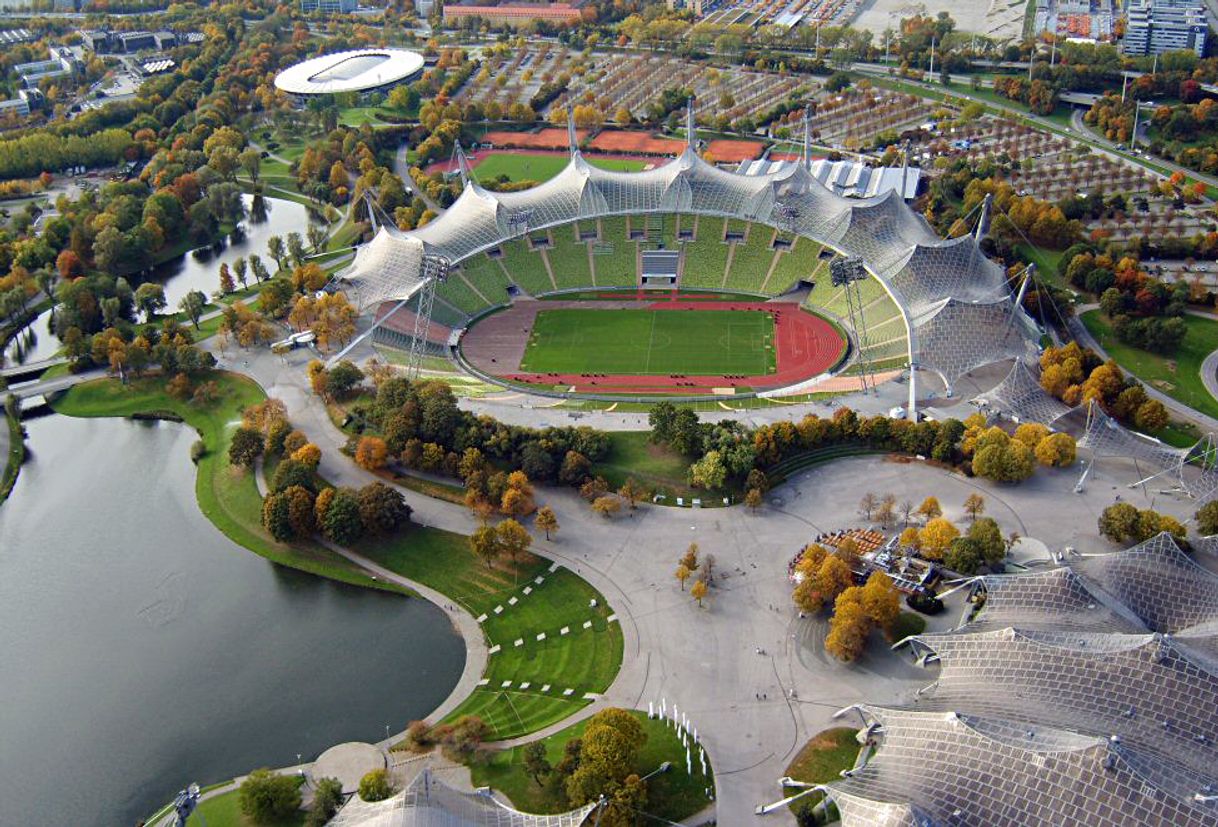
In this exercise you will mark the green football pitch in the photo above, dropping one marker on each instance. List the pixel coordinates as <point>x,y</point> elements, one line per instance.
<point>651,342</point>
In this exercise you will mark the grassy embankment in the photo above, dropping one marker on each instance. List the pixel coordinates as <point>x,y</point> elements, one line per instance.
<point>821,760</point>
<point>227,496</point>
<point>1180,376</point>
<point>671,796</point>
<point>15,458</point>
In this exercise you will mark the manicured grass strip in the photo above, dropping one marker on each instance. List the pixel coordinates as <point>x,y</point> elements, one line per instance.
<point>227,496</point>
<point>583,660</point>
<point>651,342</point>
<point>1178,376</point>
<point>671,796</point>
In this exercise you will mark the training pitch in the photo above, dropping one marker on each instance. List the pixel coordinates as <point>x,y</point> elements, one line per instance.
<point>651,342</point>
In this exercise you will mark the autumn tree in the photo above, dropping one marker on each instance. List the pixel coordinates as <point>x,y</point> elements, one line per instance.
<point>682,574</point>
<point>849,626</point>
<point>485,544</point>
<point>867,504</point>
<point>752,499</point>
<point>245,447</point>
<point>607,506</point>
<point>1056,451</point>
<point>974,505</point>
<point>546,520</point>
<point>935,537</point>
<point>881,600</point>
<point>698,592</point>
<point>690,558</point>
<point>929,509</point>
<point>631,492</point>
<point>371,453</point>
<point>227,285</point>
<point>514,539</point>
<point>536,765</point>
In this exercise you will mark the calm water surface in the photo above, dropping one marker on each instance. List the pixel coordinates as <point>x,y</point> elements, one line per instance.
<point>140,649</point>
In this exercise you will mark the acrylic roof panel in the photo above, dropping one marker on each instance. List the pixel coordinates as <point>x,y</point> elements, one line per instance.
<point>1143,688</point>
<point>427,802</point>
<point>1052,599</point>
<point>1020,395</point>
<point>957,769</point>
<point>1159,583</point>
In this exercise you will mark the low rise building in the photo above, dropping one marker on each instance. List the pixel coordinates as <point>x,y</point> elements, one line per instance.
<point>516,14</point>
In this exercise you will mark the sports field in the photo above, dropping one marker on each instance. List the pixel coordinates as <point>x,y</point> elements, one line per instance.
<point>651,342</point>
<point>523,166</point>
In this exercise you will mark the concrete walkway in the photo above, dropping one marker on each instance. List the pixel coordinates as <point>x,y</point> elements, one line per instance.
<point>706,660</point>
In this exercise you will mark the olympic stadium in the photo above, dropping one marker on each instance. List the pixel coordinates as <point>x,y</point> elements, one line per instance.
<point>360,70</point>
<point>828,286</point>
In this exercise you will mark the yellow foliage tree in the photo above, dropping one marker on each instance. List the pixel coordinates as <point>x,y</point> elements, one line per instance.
<point>936,536</point>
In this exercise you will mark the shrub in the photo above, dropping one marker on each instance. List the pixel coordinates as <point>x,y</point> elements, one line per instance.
<point>197,451</point>
<point>246,446</point>
<point>924,603</point>
<point>375,786</point>
<point>327,798</point>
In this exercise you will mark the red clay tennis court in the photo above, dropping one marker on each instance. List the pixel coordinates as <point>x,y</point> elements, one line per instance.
<point>640,143</point>
<point>806,345</point>
<point>725,151</point>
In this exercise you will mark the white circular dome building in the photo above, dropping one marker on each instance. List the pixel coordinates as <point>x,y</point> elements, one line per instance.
<point>359,70</point>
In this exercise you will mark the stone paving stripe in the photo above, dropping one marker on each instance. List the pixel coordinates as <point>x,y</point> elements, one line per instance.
<point>520,641</point>
<point>505,684</point>
<point>587,624</point>
<point>481,618</point>
<point>512,601</point>
<point>541,636</point>
<point>493,649</point>
<point>567,692</point>
<point>525,685</point>
<point>565,630</point>
<point>498,610</point>
<point>545,688</point>
<point>539,580</point>
<point>611,618</point>
<point>528,589</point>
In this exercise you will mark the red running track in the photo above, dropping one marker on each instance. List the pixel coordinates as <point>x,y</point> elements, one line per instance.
<point>805,346</point>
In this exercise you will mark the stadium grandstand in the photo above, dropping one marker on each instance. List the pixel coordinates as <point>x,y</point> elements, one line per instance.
<point>1083,694</point>
<point>928,303</point>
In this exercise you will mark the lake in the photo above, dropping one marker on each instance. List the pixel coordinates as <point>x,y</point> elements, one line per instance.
<point>143,650</point>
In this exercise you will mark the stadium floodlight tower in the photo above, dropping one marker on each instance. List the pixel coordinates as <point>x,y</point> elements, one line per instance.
<point>846,273</point>
<point>435,271</point>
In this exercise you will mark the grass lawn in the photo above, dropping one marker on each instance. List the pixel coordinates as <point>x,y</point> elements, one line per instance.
<point>526,167</point>
<point>1179,377</point>
<point>227,496</point>
<point>585,659</point>
<point>671,796</point>
<point>822,759</point>
<point>224,810</point>
<point>656,467</point>
<point>357,116</point>
<point>651,342</point>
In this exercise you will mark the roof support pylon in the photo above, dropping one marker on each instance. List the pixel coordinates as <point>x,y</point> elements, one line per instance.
<point>690,132</point>
<point>806,158</point>
<point>463,168</point>
<point>572,139</point>
<point>983,221</point>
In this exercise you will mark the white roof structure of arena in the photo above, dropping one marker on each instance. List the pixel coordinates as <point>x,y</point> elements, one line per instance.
<point>957,309</point>
<point>359,70</point>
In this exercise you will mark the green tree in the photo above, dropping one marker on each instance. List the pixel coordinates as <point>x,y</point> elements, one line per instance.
<point>963,555</point>
<point>1119,522</point>
<point>709,472</point>
<point>382,509</point>
<point>149,298</point>
<point>1207,519</point>
<point>327,798</point>
<point>342,522</point>
<point>277,516</point>
<point>266,797</point>
<point>275,246</point>
<point>535,762</point>
<point>986,533</point>
<point>193,304</point>
<point>514,539</point>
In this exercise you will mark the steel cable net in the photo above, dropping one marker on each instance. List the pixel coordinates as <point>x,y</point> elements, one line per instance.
<point>1080,695</point>
<point>1194,470</point>
<point>1159,697</point>
<point>1052,599</point>
<point>957,337</point>
<point>933,280</point>
<point>427,802</point>
<point>952,768</point>
<point>1164,587</point>
<point>1019,396</point>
